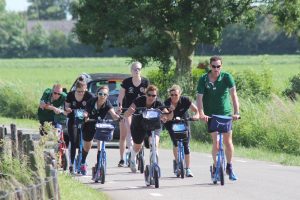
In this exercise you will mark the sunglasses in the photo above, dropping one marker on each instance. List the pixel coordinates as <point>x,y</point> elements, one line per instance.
<point>137,69</point>
<point>102,94</point>
<point>151,95</point>
<point>174,95</point>
<point>57,93</point>
<point>216,66</point>
<point>80,91</point>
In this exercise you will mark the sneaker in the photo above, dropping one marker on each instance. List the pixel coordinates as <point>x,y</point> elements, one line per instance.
<point>133,166</point>
<point>83,169</point>
<point>71,169</point>
<point>121,163</point>
<point>230,173</point>
<point>189,173</point>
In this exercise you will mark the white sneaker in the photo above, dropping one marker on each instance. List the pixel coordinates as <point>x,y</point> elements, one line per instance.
<point>133,166</point>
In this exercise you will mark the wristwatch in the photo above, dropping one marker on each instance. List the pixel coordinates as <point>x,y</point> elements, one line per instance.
<point>237,113</point>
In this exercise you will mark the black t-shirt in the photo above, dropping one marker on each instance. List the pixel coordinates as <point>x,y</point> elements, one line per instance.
<point>132,92</point>
<point>181,109</point>
<point>74,104</point>
<point>92,110</point>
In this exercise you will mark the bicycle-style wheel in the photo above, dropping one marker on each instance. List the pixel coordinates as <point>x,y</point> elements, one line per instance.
<point>64,161</point>
<point>156,180</point>
<point>147,175</point>
<point>141,164</point>
<point>221,174</point>
<point>102,172</point>
<point>181,169</point>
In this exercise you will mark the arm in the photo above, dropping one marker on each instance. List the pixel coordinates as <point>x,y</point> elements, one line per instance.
<point>235,102</point>
<point>194,109</point>
<point>130,110</point>
<point>68,107</point>
<point>113,114</point>
<point>120,99</point>
<point>200,108</point>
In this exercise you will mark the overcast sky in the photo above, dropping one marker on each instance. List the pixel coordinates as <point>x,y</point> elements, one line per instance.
<point>16,5</point>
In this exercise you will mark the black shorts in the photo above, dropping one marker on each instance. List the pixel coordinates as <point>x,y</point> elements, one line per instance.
<point>89,130</point>
<point>138,133</point>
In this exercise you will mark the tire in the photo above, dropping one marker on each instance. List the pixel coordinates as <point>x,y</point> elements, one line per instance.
<point>147,175</point>
<point>102,172</point>
<point>64,162</point>
<point>181,169</point>
<point>156,180</point>
<point>141,164</point>
<point>221,172</point>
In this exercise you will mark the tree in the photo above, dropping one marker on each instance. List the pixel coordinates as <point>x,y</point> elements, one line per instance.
<point>287,15</point>
<point>157,30</point>
<point>12,33</point>
<point>47,9</point>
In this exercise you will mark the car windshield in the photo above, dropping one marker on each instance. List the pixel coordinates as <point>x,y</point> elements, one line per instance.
<point>113,85</point>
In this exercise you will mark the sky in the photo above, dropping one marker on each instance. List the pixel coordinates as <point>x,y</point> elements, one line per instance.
<point>16,5</point>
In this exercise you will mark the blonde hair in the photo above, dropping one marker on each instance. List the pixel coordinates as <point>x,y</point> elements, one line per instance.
<point>136,63</point>
<point>175,87</point>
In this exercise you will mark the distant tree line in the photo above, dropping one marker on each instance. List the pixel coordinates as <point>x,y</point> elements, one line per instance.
<point>16,41</point>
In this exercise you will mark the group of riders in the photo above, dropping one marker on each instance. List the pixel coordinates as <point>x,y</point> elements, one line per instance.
<point>215,91</point>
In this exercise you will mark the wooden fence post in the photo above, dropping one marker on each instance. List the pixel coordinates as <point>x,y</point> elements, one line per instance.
<point>14,141</point>
<point>1,141</point>
<point>20,144</point>
<point>49,186</point>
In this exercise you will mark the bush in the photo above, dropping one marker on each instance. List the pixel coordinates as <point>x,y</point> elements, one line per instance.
<point>254,85</point>
<point>16,102</point>
<point>294,88</point>
<point>165,80</point>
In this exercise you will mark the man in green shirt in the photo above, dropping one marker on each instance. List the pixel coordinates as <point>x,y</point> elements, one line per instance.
<point>214,91</point>
<point>51,105</point>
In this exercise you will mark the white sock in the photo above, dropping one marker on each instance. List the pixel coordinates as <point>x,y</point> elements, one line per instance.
<point>133,154</point>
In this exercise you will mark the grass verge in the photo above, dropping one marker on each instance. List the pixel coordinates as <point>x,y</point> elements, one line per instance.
<point>70,188</point>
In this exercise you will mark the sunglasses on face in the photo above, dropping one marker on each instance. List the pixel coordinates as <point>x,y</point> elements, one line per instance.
<point>174,95</point>
<point>137,69</point>
<point>216,66</point>
<point>102,94</point>
<point>57,93</point>
<point>151,95</point>
<point>80,91</point>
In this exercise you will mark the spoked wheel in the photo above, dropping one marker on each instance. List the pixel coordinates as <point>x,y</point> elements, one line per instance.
<point>141,164</point>
<point>102,172</point>
<point>221,174</point>
<point>147,175</point>
<point>64,162</point>
<point>181,169</point>
<point>156,178</point>
<point>212,175</point>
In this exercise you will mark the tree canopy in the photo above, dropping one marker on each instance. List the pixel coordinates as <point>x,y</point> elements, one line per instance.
<point>158,30</point>
<point>47,9</point>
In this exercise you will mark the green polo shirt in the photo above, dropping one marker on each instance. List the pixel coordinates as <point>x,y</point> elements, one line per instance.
<point>216,96</point>
<point>48,115</point>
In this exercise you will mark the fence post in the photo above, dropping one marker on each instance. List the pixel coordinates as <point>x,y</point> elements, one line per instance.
<point>4,195</point>
<point>1,141</point>
<point>14,141</point>
<point>20,144</point>
<point>55,183</point>
<point>19,194</point>
<point>48,179</point>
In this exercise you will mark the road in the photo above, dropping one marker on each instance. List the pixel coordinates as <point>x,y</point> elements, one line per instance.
<point>257,180</point>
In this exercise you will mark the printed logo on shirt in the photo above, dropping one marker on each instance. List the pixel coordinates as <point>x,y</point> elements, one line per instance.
<point>142,89</point>
<point>130,90</point>
<point>74,103</point>
<point>84,103</point>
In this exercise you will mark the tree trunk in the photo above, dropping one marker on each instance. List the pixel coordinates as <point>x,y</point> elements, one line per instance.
<point>184,58</point>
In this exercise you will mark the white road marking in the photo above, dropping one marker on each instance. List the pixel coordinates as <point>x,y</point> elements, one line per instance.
<point>156,194</point>
<point>243,161</point>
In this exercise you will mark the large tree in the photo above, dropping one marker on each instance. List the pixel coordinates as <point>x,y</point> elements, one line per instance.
<point>159,30</point>
<point>47,9</point>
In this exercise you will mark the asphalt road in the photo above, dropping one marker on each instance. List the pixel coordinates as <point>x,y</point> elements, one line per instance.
<point>257,180</point>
